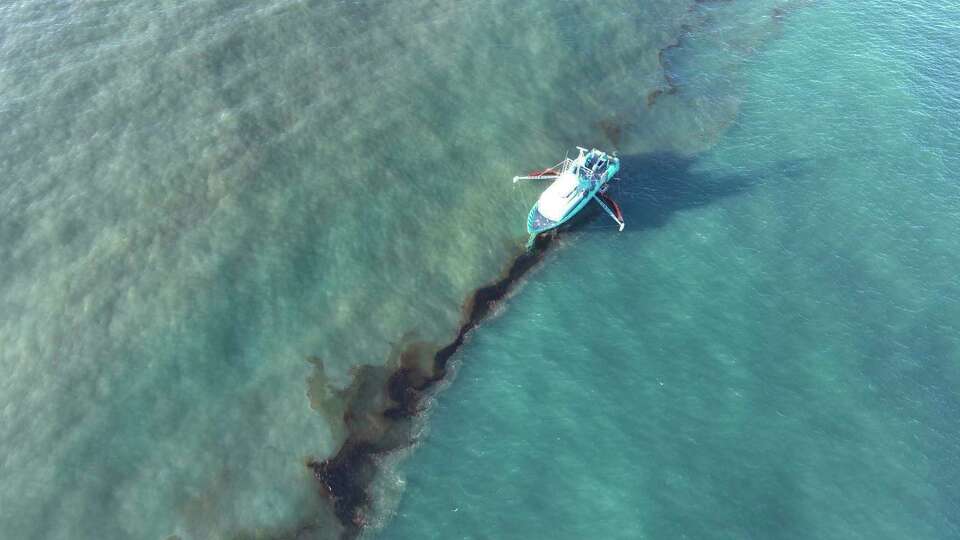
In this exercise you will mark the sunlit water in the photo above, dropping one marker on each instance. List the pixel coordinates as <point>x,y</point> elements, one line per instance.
<point>210,211</point>
<point>771,349</point>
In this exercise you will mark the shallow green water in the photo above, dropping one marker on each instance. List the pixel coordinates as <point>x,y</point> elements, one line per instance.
<point>770,350</point>
<point>210,212</point>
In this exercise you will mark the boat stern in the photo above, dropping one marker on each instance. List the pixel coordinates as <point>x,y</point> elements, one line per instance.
<point>613,168</point>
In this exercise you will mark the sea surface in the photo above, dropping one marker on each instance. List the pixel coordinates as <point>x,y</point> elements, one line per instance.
<point>213,214</point>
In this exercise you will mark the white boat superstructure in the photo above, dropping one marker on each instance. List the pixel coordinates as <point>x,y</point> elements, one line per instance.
<point>561,196</point>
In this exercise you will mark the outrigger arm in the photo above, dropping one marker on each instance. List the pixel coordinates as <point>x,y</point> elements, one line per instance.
<point>518,178</point>
<point>610,212</point>
<point>543,174</point>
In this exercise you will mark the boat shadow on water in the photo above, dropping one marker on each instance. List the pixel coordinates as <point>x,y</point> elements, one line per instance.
<point>653,187</point>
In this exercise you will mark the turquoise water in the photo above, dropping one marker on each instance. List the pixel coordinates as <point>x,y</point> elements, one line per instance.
<point>211,213</point>
<point>771,349</point>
